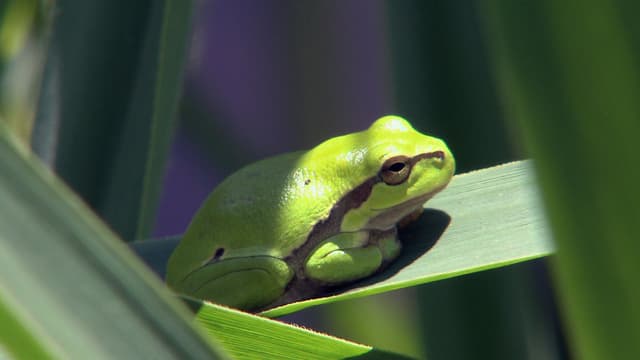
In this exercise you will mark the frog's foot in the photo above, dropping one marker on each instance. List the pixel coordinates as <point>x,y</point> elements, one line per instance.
<point>243,282</point>
<point>351,256</point>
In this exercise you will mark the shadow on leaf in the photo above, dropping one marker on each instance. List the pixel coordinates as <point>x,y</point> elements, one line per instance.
<point>417,238</point>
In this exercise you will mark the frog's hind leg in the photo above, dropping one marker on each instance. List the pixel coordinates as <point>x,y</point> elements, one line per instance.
<point>245,283</point>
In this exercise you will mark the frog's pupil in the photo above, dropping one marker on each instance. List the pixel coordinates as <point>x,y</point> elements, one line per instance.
<point>397,167</point>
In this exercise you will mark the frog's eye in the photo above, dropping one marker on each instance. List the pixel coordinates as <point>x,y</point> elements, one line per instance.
<point>395,170</point>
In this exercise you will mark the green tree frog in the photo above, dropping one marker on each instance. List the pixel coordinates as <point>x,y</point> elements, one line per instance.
<point>290,226</point>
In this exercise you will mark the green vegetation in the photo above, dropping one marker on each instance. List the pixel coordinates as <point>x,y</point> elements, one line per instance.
<point>87,112</point>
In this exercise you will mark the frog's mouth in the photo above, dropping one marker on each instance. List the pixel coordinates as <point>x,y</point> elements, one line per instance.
<point>389,217</point>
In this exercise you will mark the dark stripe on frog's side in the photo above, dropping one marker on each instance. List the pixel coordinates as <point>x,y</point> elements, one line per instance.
<point>300,287</point>
<point>330,226</point>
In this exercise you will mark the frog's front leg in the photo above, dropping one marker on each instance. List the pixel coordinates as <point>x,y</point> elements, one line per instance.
<point>351,256</point>
<point>242,282</point>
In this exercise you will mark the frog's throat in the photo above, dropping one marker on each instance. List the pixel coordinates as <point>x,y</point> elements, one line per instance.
<point>389,217</point>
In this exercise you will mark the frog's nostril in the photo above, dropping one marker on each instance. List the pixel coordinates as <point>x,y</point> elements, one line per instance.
<point>437,155</point>
<point>435,158</point>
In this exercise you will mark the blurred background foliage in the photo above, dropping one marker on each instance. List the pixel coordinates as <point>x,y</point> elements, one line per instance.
<point>264,77</point>
<point>22,47</point>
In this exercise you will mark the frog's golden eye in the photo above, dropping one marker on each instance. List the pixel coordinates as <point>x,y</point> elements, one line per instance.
<point>395,170</point>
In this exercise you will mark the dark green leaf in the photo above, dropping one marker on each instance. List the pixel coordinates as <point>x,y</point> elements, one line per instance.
<point>109,100</point>
<point>71,284</point>
<point>571,81</point>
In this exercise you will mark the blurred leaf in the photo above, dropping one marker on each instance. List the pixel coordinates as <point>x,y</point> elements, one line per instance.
<point>522,324</point>
<point>15,340</point>
<point>22,43</point>
<point>443,76</point>
<point>570,78</point>
<point>495,221</point>
<point>16,20</point>
<point>68,284</point>
<point>388,320</point>
<point>110,95</point>
<point>248,336</point>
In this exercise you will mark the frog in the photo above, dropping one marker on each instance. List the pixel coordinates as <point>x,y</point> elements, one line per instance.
<point>292,226</point>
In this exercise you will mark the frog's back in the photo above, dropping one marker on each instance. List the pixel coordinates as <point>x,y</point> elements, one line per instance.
<point>271,202</point>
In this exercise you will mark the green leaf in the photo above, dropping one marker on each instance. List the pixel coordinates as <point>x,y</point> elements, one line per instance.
<point>22,39</point>
<point>68,284</point>
<point>485,219</point>
<point>158,87</point>
<point>16,340</point>
<point>247,336</point>
<point>108,104</point>
<point>572,85</point>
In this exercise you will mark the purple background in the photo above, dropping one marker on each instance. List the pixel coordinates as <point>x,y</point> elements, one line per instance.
<point>272,77</point>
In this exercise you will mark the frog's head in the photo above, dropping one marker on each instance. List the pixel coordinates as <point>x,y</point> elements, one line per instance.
<point>410,168</point>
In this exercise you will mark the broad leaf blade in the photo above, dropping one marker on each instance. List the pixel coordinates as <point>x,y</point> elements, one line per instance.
<point>69,281</point>
<point>16,341</point>
<point>247,336</point>
<point>492,219</point>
